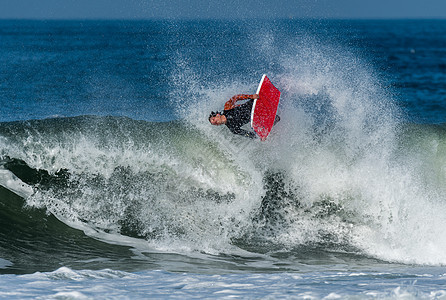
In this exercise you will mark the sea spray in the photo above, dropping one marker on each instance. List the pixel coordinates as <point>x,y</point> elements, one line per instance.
<point>161,181</point>
<point>337,152</point>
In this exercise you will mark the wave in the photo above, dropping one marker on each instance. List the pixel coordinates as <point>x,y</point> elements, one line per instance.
<point>176,189</point>
<point>117,175</point>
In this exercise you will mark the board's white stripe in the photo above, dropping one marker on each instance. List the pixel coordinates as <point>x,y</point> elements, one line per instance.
<point>255,101</point>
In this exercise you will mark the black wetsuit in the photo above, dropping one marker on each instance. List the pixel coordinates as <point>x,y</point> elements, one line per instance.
<point>239,116</point>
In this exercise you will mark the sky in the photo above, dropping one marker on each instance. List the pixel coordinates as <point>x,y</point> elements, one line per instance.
<point>220,9</point>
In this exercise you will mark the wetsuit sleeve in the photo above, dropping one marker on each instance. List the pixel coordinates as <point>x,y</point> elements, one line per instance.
<point>242,132</point>
<point>230,104</point>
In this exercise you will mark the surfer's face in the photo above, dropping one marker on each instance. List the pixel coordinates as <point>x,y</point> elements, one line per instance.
<point>217,120</point>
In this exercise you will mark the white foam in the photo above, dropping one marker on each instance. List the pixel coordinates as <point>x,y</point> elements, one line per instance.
<point>309,284</point>
<point>11,182</point>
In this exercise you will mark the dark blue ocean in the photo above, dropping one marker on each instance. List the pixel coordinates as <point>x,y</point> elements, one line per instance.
<point>113,184</point>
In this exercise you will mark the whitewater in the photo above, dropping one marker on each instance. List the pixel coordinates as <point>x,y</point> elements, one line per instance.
<point>114,184</point>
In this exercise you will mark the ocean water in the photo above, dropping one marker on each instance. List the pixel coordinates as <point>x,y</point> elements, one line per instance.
<point>114,185</point>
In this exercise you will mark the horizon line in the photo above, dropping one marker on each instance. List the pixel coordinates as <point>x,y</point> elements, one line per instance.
<point>215,19</point>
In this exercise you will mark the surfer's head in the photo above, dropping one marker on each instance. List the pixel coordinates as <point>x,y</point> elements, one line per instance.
<point>217,118</point>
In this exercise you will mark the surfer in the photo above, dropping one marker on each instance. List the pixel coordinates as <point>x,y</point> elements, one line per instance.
<point>235,116</point>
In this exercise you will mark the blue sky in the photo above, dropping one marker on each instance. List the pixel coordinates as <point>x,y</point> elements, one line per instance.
<point>225,9</point>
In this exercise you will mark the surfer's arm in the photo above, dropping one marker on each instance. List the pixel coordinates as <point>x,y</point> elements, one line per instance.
<point>230,104</point>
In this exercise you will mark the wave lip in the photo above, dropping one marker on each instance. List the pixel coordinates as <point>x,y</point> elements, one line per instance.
<point>11,182</point>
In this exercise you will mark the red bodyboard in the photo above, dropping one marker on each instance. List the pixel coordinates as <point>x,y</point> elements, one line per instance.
<point>264,108</point>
